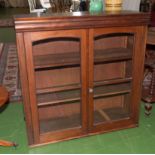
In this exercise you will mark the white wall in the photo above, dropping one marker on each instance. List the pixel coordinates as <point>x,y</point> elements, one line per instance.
<point>131,5</point>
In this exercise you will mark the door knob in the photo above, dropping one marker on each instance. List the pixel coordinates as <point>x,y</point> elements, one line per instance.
<point>91,90</point>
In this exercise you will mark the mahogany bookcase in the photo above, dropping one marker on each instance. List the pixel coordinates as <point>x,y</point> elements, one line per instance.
<point>81,73</point>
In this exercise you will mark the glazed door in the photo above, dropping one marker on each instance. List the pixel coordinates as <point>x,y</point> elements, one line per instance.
<point>115,71</point>
<point>57,80</point>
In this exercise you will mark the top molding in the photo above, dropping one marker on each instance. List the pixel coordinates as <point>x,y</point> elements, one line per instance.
<point>76,20</point>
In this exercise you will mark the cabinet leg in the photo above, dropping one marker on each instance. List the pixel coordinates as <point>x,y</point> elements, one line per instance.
<point>150,98</point>
<point>148,108</point>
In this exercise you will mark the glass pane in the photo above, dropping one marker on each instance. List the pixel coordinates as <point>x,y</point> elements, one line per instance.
<point>111,102</point>
<point>58,83</point>
<point>112,77</point>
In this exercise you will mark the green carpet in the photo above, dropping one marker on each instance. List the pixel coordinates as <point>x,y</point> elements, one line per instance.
<point>7,35</point>
<point>135,140</point>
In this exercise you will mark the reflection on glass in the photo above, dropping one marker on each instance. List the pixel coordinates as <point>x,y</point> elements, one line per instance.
<point>67,5</point>
<point>112,77</point>
<point>58,83</point>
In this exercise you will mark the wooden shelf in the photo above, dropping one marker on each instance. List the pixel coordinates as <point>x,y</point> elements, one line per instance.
<point>73,59</point>
<point>78,86</point>
<point>112,81</point>
<point>58,97</point>
<point>56,60</point>
<point>111,90</point>
<point>114,54</point>
<point>110,114</point>
<point>59,88</point>
<point>61,123</point>
<point>71,96</point>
